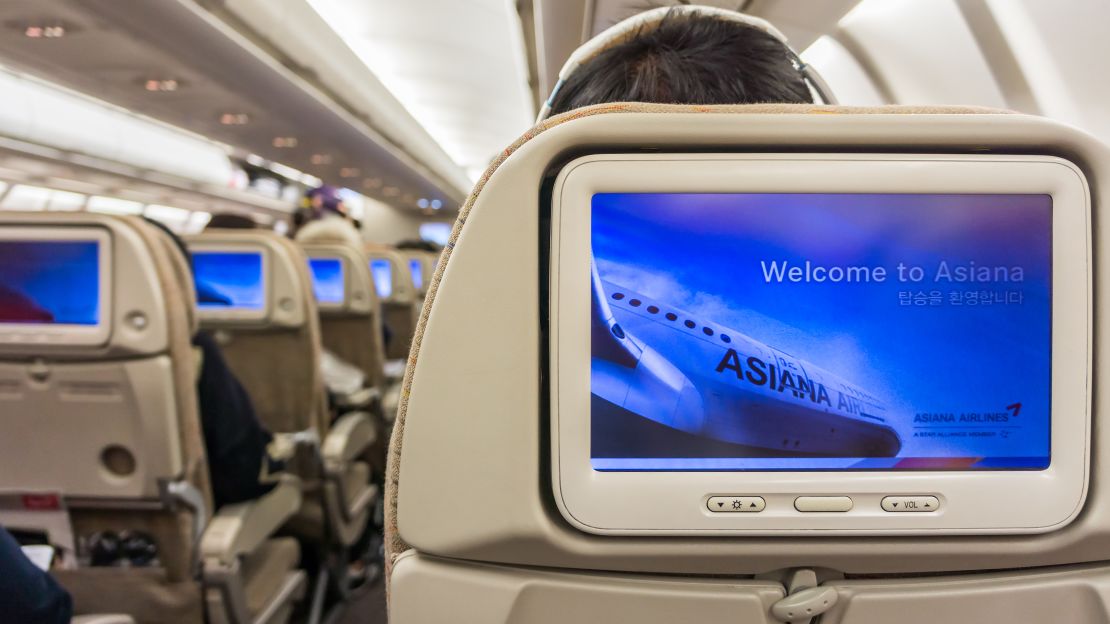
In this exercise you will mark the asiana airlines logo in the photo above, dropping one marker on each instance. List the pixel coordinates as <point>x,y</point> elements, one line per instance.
<point>755,371</point>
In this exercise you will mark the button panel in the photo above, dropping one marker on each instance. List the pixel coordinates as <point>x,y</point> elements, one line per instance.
<point>910,504</point>
<point>822,503</point>
<point>736,504</point>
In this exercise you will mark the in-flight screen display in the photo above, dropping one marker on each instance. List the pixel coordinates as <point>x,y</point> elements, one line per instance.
<point>417,270</point>
<point>328,279</point>
<point>821,332</point>
<point>50,282</point>
<point>229,280</point>
<point>382,271</point>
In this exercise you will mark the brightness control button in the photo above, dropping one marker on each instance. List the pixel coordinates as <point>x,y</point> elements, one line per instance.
<point>736,504</point>
<point>910,504</point>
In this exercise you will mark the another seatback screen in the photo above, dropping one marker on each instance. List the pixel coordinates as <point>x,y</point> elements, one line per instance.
<point>382,270</point>
<point>417,270</point>
<point>821,332</point>
<point>328,279</point>
<point>229,280</point>
<point>50,282</point>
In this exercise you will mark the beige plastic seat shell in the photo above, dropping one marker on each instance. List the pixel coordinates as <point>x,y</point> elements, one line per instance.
<point>146,408</point>
<point>401,309</point>
<point>278,361</point>
<point>469,433</point>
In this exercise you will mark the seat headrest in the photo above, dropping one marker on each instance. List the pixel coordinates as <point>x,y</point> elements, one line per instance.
<point>329,230</point>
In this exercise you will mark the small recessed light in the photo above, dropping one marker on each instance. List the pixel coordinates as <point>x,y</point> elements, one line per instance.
<point>321,159</point>
<point>287,141</point>
<point>372,183</point>
<point>161,85</point>
<point>234,119</point>
<point>391,191</point>
<point>349,172</point>
<point>422,202</point>
<point>436,204</point>
<point>48,31</point>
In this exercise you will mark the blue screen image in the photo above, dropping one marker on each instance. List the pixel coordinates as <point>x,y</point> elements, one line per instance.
<point>417,271</point>
<point>50,282</point>
<point>327,279</point>
<point>382,271</point>
<point>230,280</point>
<point>821,332</point>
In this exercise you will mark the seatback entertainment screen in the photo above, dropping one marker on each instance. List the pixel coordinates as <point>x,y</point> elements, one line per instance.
<point>48,282</point>
<point>416,268</point>
<point>802,332</point>
<point>382,272</point>
<point>328,280</point>
<point>229,280</point>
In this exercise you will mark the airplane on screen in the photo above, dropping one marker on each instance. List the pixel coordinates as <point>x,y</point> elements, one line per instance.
<point>663,364</point>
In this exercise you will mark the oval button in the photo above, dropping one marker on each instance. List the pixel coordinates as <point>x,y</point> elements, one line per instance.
<point>822,503</point>
<point>910,504</point>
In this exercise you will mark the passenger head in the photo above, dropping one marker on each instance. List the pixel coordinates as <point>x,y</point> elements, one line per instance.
<point>691,56</point>
<point>324,200</point>
<point>329,230</point>
<point>231,221</point>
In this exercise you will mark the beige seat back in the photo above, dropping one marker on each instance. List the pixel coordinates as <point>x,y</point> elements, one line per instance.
<point>400,300</point>
<point>473,429</point>
<point>111,424</point>
<point>352,329</point>
<point>421,266</point>
<point>274,350</point>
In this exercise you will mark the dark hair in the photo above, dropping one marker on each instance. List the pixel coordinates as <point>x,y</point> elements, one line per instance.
<point>177,241</point>
<point>419,245</point>
<point>231,221</point>
<point>688,58</point>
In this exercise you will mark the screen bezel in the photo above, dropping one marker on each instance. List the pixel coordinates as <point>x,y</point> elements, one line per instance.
<point>675,502</point>
<point>240,314</point>
<point>69,334</point>
<point>345,271</point>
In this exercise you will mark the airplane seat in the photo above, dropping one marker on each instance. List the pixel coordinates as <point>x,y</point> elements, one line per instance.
<point>474,431</point>
<point>101,420</point>
<point>271,339</point>
<point>400,301</point>
<point>351,330</point>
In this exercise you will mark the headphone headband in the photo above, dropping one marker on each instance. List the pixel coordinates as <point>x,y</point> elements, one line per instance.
<point>627,28</point>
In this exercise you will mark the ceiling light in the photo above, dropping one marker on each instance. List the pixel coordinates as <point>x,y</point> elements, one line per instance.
<point>234,119</point>
<point>349,172</point>
<point>321,159</point>
<point>161,85</point>
<point>51,31</point>
<point>436,204</point>
<point>391,191</point>
<point>422,202</point>
<point>372,183</point>
<point>285,141</point>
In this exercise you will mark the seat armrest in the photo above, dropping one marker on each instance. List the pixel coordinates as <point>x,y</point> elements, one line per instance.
<point>361,399</point>
<point>105,618</point>
<point>240,528</point>
<point>349,436</point>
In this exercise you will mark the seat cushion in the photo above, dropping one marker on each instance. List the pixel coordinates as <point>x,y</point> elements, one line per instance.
<point>142,593</point>
<point>265,570</point>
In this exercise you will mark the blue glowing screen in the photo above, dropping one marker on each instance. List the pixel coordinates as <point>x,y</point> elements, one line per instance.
<point>229,280</point>
<point>417,270</point>
<point>50,282</point>
<point>328,280</point>
<point>821,332</point>
<point>382,271</point>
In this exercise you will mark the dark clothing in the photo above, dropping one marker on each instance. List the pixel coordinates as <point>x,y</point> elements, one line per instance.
<point>235,439</point>
<point>27,594</point>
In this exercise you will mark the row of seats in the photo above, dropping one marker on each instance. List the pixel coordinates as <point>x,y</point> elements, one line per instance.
<point>113,410</point>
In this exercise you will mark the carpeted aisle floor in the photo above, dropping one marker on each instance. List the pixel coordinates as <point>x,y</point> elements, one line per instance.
<point>366,608</point>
